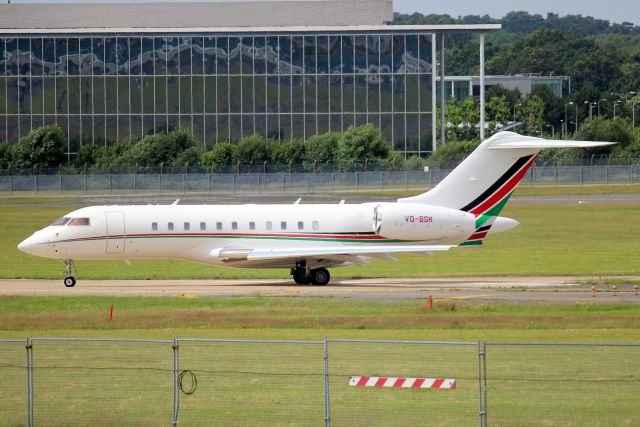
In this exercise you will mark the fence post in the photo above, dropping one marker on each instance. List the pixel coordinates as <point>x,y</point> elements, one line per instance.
<point>480,400</point>
<point>176,380</point>
<point>357,182</point>
<point>29,347</point>
<point>484,375</point>
<point>60,178</point>
<point>333,182</point>
<point>327,404</point>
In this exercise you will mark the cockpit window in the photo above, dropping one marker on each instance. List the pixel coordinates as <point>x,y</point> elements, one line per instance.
<point>62,221</point>
<point>79,221</point>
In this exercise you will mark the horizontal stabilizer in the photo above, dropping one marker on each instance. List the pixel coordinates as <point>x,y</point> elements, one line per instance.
<point>536,143</point>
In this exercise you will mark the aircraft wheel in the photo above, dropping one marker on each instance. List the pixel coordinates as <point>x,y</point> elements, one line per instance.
<point>300,276</point>
<point>320,276</point>
<point>70,281</point>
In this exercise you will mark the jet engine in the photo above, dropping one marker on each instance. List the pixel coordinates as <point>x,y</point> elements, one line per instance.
<point>419,222</point>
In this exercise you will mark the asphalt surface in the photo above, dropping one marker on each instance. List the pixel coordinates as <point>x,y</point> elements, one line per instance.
<point>226,198</point>
<point>470,289</point>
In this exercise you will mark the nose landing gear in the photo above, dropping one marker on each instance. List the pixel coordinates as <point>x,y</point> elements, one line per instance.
<point>69,273</point>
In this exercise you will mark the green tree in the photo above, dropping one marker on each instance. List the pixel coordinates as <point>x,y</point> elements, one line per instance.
<point>498,112</point>
<point>43,146</point>
<point>607,130</point>
<point>322,148</point>
<point>5,155</point>
<point>153,150</point>
<point>222,154</point>
<point>288,151</point>
<point>254,149</point>
<point>532,114</point>
<point>360,143</point>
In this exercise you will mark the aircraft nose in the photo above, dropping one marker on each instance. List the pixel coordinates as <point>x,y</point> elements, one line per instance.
<point>31,246</point>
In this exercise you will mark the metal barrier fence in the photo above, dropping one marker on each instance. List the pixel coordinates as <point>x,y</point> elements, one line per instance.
<point>64,381</point>
<point>296,183</point>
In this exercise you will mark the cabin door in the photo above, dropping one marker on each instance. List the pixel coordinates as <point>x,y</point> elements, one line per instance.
<point>115,232</point>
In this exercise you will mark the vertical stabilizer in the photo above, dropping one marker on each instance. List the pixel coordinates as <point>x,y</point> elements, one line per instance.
<point>483,183</point>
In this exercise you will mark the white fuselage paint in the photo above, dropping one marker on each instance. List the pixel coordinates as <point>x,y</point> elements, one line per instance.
<point>127,232</point>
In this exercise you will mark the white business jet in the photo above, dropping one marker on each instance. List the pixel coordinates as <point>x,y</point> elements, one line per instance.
<point>460,211</point>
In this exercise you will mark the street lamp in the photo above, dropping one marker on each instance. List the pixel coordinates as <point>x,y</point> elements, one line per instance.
<point>603,99</point>
<point>553,131</point>
<point>565,114</point>
<point>591,105</point>
<point>615,103</point>
<point>561,129</point>
<point>514,110</point>
<point>633,113</point>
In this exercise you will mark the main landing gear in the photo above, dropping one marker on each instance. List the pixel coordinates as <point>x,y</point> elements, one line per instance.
<point>318,276</point>
<point>69,273</point>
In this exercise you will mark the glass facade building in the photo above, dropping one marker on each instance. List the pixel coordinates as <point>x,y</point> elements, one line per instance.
<point>220,86</point>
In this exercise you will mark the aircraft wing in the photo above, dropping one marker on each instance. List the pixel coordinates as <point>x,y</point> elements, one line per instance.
<point>337,253</point>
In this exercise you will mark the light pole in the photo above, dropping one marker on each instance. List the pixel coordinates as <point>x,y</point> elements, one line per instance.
<point>565,114</point>
<point>591,105</point>
<point>514,111</point>
<point>603,99</point>
<point>633,113</point>
<point>553,131</point>
<point>615,103</point>
<point>561,129</point>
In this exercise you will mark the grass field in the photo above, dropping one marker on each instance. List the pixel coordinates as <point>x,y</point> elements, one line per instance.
<point>553,239</point>
<point>269,384</point>
<point>266,384</point>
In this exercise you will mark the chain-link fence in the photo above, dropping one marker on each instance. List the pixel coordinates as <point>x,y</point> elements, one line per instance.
<point>562,384</point>
<point>291,183</point>
<point>61,382</point>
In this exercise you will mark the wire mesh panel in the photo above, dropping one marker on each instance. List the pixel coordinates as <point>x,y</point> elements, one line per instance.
<point>563,384</point>
<point>102,382</point>
<point>395,403</point>
<point>251,383</point>
<point>13,380</point>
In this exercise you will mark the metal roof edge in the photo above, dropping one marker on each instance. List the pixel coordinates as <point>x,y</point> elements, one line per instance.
<point>290,29</point>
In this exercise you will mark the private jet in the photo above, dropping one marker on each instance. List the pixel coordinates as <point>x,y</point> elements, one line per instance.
<point>307,239</point>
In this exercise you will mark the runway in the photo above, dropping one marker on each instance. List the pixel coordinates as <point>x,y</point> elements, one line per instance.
<point>463,289</point>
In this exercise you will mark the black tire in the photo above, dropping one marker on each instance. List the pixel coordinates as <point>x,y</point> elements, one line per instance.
<point>70,281</point>
<point>300,276</point>
<point>320,276</point>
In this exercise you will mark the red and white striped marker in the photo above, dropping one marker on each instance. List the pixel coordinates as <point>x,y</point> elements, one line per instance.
<point>395,382</point>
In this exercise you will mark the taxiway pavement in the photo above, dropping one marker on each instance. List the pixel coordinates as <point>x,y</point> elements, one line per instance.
<point>471,289</point>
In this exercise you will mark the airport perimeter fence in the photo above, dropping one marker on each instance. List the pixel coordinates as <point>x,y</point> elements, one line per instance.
<point>65,381</point>
<point>289,183</point>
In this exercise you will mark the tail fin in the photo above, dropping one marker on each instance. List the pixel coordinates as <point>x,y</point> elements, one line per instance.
<point>483,183</point>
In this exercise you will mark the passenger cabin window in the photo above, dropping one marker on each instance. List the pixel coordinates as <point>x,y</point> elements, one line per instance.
<point>203,226</point>
<point>283,225</point>
<point>61,221</point>
<point>218,226</point>
<point>269,225</point>
<point>300,225</point>
<point>154,226</point>
<point>315,225</point>
<point>187,226</point>
<point>79,221</point>
<point>252,225</point>
<point>234,225</point>
<point>170,226</point>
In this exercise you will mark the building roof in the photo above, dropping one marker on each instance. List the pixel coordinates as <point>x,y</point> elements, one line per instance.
<point>354,29</point>
<point>200,14</point>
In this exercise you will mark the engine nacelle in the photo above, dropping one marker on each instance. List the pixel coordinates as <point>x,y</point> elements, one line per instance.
<point>414,221</point>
